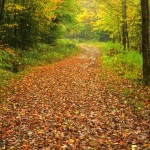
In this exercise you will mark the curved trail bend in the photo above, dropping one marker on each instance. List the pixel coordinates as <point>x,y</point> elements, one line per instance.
<point>68,106</point>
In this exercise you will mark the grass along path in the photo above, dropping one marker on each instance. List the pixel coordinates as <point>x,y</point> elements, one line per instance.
<point>73,105</point>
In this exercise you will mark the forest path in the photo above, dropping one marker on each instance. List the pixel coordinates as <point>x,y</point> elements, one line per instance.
<point>69,106</point>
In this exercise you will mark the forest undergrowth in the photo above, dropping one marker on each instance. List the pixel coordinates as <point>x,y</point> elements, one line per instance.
<point>127,64</point>
<point>14,63</point>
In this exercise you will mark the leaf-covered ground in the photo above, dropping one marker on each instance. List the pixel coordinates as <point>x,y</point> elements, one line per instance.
<point>74,105</point>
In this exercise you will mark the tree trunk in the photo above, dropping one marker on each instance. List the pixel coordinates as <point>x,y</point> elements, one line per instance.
<point>145,41</point>
<point>125,39</point>
<point>2,3</point>
<point>15,28</point>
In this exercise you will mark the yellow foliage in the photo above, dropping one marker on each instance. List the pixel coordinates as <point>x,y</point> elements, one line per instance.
<point>46,9</point>
<point>109,18</point>
<point>13,8</point>
<point>10,26</point>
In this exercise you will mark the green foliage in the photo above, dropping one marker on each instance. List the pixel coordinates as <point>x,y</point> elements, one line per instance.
<point>110,20</point>
<point>44,53</point>
<point>56,31</point>
<point>10,64</point>
<point>6,60</point>
<point>108,47</point>
<point>125,63</point>
<point>63,43</point>
<point>26,23</point>
<point>5,76</point>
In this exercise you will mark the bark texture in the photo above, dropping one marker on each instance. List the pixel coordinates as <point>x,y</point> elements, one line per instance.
<point>145,41</point>
<point>2,3</point>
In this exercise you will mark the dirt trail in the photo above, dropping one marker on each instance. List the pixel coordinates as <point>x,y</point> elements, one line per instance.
<point>68,106</point>
<point>89,53</point>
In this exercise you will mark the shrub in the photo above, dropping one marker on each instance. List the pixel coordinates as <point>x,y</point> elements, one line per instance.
<point>125,63</point>
<point>42,53</point>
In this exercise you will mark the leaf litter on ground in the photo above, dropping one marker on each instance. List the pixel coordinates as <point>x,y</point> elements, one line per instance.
<point>75,104</point>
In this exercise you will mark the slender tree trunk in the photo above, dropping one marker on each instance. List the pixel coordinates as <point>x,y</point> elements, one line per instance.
<point>128,41</point>
<point>15,28</point>
<point>2,3</point>
<point>125,39</point>
<point>145,41</point>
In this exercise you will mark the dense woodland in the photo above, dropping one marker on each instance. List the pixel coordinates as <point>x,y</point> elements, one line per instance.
<point>74,75</point>
<point>24,24</point>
